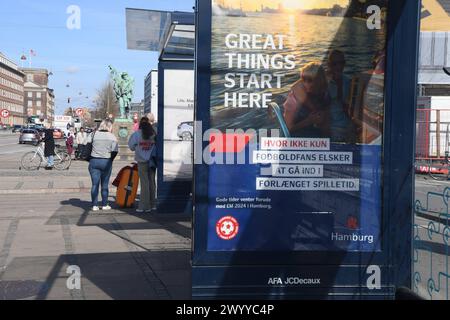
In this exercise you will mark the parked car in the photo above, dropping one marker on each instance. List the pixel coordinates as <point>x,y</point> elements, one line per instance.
<point>17,128</point>
<point>29,136</point>
<point>186,131</point>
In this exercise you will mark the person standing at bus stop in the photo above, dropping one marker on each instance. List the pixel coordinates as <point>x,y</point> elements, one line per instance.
<point>153,159</point>
<point>142,143</point>
<point>105,149</point>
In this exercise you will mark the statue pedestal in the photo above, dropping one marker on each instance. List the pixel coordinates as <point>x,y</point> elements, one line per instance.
<point>123,129</point>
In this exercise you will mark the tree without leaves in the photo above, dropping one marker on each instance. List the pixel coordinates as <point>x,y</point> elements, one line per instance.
<point>106,102</point>
<point>88,121</point>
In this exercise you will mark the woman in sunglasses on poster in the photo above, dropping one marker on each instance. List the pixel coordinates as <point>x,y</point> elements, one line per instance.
<point>306,110</point>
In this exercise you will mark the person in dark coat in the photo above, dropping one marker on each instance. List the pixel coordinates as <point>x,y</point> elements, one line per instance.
<point>49,150</point>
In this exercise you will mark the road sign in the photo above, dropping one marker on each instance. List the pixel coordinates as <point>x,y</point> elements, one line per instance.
<point>79,112</point>
<point>5,113</point>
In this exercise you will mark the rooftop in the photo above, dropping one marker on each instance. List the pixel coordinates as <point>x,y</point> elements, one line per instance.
<point>34,70</point>
<point>8,62</point>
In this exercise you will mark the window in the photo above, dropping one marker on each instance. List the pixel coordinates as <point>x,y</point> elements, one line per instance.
<point>30,94</point>
<point>38,95</point>
<point>30,103</point>
<point>38,103</point>
<point>29,77</point>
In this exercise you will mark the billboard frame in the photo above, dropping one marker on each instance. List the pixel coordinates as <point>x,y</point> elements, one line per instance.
<point>395,258</point>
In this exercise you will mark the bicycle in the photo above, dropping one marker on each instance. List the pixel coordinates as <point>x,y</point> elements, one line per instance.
<point>32,161</point>
<point>441,171</point>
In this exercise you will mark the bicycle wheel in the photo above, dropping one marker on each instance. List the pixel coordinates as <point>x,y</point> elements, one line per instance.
<point>62,161</point>
<point>438,171</point>
<point>31,161</point>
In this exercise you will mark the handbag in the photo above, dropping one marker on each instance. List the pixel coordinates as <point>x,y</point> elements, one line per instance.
<point>86,154</point>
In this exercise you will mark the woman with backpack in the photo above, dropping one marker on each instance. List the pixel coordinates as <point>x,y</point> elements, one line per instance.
<point>142,143</point>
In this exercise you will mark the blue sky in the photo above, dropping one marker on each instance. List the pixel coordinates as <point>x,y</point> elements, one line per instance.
<point>78,58</point>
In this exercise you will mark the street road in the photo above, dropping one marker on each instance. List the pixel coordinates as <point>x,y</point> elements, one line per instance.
<point>9,144</point>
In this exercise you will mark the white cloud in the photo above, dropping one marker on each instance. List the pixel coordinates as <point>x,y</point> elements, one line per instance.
<point>72,69</point>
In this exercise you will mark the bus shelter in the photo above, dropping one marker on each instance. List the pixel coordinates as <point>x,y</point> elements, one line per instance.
<point>172,35</point>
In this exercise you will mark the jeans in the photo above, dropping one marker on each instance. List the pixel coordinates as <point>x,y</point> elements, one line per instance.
<point>100,171</point>
<point>50,161</point>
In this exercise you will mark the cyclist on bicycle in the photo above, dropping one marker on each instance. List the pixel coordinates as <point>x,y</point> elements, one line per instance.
<point>49,150</point>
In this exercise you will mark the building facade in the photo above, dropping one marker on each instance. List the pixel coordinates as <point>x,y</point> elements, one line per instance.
<point>39,100</point>
<point>151,93</point>
<point>11,92</point>
<point>148,93</point>
<point>434,56</point>
<point>137,109</point>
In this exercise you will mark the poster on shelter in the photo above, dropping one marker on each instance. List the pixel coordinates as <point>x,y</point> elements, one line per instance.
<point>297,110</point>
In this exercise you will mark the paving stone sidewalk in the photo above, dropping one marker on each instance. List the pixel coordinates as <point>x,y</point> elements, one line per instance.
<point>121,255</point>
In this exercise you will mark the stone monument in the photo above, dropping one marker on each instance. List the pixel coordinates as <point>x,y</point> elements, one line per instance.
<point>123,125</point>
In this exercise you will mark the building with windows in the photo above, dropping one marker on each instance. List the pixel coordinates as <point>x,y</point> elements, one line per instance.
<point>39,100</point>
<point>151,93</point>
<point>11,91</point>
<point>137,109</point>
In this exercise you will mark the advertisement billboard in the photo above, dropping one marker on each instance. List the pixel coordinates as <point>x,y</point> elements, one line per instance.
<point>308,94</point>
<point>435,15</point>
<point>302,117</point>
<point>178,124</point>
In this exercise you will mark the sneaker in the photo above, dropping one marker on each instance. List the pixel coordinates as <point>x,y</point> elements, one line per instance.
<point>106,208</point>
<point>95,209</point>
<point>139,211</point>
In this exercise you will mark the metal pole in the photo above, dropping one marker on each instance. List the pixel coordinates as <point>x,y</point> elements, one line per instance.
<point>438,133</point>
<point>447,136</point>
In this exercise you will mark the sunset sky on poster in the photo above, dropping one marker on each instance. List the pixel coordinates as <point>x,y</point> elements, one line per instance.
<point>251,5</point>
